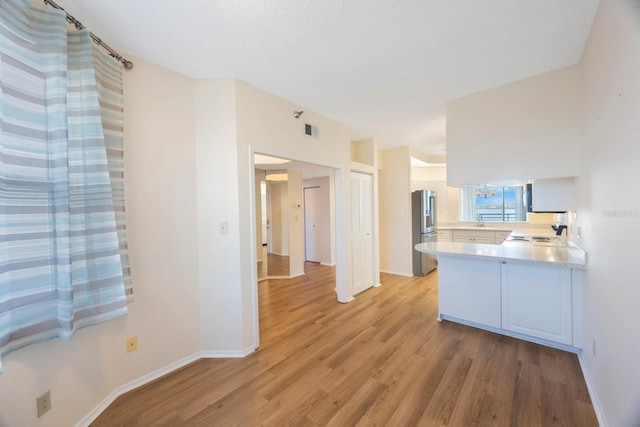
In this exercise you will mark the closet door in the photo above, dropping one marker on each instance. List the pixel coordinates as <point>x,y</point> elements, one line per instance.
<point>361,231</point>
<point>312,220</point>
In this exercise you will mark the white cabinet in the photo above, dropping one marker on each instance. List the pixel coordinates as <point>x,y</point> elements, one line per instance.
<point>444,236</point>
<point>501,236</point>
<point>536,301</point>
<point>491,237</point>
<point>475,236</point>
<point>552,195</point>
<point>527,300</point>
<point>469,289</point>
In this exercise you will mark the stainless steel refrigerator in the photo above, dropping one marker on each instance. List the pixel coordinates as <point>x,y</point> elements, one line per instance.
<point>424,229</point>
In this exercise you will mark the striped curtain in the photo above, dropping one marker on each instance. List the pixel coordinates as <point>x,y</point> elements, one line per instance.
<point>108,75</point>
<point>62,266</point>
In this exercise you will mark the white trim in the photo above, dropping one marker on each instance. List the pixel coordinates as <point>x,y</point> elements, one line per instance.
<point>262,279</point>
<point>255,327</point>
<point>597,407</point>
<point>362,168</point>
<point>397,273</point>
<point>154,375</point>
<point>279,254</point>
<point>328,264</point>
<point>226,354</point>
<point>133,384</point>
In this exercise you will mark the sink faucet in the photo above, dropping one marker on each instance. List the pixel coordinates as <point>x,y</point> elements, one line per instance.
<point>479,222</point>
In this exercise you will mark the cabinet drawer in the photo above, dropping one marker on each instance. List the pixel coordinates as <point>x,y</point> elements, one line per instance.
<point>486,234</point>
<point>486,240</point>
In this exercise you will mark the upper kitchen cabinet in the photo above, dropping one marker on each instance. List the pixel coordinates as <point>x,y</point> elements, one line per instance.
<point>552,195</point>
<point>523,130</point>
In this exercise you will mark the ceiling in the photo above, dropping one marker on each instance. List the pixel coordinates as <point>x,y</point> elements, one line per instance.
<point>384,68</point>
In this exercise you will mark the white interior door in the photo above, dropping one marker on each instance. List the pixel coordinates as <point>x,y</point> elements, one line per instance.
<point>312,224</point>
<point>361,231</point>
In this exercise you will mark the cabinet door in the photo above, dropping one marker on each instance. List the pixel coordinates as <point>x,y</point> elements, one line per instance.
<point>553,195</point>
<point>469,289</point>
<point>536,301</point>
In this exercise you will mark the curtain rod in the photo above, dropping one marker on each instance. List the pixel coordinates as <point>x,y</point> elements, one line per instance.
<point>70,19</point>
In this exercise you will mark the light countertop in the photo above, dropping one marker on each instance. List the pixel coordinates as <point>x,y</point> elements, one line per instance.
<point>523,229</point>
<point>568,255</point>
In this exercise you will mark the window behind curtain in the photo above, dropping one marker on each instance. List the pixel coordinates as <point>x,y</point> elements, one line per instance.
<point>492,203</point>
<point>63,250</point>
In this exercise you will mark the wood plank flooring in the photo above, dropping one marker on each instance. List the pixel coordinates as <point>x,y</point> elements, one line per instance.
<point>381,360</point>
<point>276,265</point>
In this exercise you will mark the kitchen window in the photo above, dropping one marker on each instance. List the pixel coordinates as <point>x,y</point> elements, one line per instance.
<point>492,203</point>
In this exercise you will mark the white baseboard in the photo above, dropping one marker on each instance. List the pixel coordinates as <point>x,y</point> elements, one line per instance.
<point>328,264</point>
<point>397,273</point>
<point>131,385</point>
<point>217,354</point>
<point>291,276</point>
<point>592,392</point>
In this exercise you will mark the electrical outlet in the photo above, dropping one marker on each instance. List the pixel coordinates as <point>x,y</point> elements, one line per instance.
<point>132,344</point>
<point>43,403</point>
<point>594,347</point>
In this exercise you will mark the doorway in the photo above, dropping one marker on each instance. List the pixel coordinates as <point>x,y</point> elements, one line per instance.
<point>293,198</point>
<point>317,223</point>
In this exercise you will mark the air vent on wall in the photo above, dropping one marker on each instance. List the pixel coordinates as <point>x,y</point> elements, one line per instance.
<point>310,130</point>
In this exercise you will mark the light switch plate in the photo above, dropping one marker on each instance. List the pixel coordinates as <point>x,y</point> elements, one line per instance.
<point>223,227</point>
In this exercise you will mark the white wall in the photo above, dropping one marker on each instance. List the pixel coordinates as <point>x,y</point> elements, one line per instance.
<point>324,215</point>
<point>395,211</point>
<point>220,272</point>
<point>161,203</point>
<point>265,124</point>
<point>295,223</point>
<point>524,130</point>
<point>609,209</point>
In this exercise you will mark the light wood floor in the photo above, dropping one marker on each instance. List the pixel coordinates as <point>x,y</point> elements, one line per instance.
<point>381,360</point>
<point>276,265</point>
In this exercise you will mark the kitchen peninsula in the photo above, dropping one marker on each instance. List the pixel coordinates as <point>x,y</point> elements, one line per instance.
<point>528,287</point>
